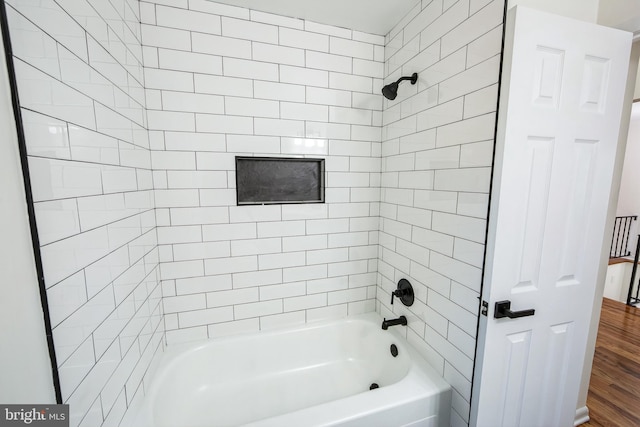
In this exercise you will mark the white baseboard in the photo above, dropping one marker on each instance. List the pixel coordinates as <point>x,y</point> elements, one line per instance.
<point>582,416</point>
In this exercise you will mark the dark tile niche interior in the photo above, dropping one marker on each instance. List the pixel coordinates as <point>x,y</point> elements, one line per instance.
<point>276,180</point>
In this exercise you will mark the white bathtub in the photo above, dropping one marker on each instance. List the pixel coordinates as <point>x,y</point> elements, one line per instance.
<point>315,375</point>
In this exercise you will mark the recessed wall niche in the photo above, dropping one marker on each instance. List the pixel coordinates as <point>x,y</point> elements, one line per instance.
<point>279,180</point>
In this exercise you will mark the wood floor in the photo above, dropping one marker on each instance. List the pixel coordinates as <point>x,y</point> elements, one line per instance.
<point>614,391</point>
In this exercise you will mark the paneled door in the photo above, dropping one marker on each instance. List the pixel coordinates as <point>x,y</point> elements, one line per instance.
<point>559,117</point>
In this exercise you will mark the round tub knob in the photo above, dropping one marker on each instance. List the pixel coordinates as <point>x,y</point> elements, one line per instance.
<point>404,292</point>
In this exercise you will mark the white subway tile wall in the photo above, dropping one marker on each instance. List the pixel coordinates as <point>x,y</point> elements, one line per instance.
<point>437,149</point>
<point>81,87</point>
<point>134,112</point>
<point>227,81</point>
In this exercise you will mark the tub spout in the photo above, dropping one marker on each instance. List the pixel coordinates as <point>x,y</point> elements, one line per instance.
<point>392,322</point>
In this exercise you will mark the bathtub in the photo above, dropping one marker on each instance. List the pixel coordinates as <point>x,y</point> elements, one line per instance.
<point>319,374</point>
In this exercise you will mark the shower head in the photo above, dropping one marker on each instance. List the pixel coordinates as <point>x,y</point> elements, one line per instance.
<point>390,91</point>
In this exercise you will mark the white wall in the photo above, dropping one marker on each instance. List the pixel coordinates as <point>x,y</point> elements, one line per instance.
<point>25,367</point>
<point>629,196</point>
<point>616,286</point>
<point>224,81</point>
<point>625,15</point>
<point>636,94</point>
<point>621,14</point>
<point>437,150</point>
<point>584,10</point>
<point>80,82</point>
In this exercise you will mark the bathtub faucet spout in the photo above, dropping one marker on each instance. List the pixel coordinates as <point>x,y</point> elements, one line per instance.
<point>392,322</point>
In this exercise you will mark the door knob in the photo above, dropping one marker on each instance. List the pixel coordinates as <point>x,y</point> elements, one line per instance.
<point>502,309</point>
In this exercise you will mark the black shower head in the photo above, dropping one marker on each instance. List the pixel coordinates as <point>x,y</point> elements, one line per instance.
<point>390,91</point>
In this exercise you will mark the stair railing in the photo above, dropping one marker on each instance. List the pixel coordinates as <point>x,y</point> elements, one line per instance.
<point>633,300</point>
<point>620,238</point>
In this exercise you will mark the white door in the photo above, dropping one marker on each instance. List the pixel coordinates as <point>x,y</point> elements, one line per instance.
<point>560,109</point>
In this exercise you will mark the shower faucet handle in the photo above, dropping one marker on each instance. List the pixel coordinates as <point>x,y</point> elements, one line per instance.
<point>404,292</point>
<point>396,293</point>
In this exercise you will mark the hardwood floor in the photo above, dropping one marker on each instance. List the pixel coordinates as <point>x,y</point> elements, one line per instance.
<point>614,391</point>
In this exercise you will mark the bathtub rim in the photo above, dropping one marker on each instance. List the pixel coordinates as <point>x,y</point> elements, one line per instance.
<point>177,351</point>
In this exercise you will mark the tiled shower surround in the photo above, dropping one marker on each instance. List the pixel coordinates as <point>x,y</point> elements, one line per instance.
<point>80,82</point>
<point>437,152</point>
<point>134,113</point>
<point>224,81</point>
